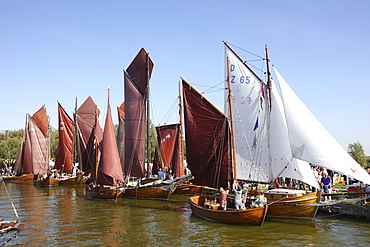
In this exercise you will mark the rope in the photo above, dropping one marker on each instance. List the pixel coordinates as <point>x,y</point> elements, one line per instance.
<point>7,192</point>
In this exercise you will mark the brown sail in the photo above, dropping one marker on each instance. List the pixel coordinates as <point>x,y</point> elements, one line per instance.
<point>110,170</point>
<point>121,133</point>
<point>168,154</point>
<point>136,80</point>
<point>207,140</point>
<point>64,157</point>
<point>89,132</point>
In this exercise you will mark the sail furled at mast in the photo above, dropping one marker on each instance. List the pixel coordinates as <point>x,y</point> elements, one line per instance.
<point>65,151</point>
<point>311,142</point>
<point>250,110</point>
<point>136,79</point>
<point>207,137</point>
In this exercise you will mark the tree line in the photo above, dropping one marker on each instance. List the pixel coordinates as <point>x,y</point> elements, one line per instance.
<point>11,141</point>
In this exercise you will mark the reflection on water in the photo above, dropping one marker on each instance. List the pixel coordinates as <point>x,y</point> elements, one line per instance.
<point>62,216</point>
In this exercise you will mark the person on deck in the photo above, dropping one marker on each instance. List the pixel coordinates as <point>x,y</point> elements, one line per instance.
<point>326,183</point>
<point>238,197</point>
<point>222,197</point>
<point>160,174</point>
<point>244,194</point>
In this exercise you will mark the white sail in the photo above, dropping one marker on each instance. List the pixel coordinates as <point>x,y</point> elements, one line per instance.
<point>282,162</point>
<point>311,142</point>
<point>250,111</point>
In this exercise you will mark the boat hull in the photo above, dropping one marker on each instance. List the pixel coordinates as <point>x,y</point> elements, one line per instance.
<point>250,216</point>
<point>47,182</point>
<point>158,192</point>
<point>104,192</point>
<point>26,178</point>
<point>188,189</point>
<point>73,180</point>
<point>294,206</point>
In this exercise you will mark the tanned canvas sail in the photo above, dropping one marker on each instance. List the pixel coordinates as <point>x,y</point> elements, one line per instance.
<point>121,133</point>
<point>39,148</point>
<point>250,110</point>
<point>110,170</point>
<point>64,157</point>
<point>311,142</point>
<point>207,140</point>
<point>89,131</point>
<point>136,80</point>
<point>168,153</point>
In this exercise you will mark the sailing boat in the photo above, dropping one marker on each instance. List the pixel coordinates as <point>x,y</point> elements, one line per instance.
<point>209,157</point>
<point>33,158</point>
<point>136,84</point>
<point>277,136</point>
<point>66,150</point>
<point>109,180</point>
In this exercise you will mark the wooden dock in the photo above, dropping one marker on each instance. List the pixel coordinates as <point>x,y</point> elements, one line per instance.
<point>355,210</point>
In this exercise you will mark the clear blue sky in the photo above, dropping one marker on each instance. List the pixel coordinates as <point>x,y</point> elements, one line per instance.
<point>59,50</point>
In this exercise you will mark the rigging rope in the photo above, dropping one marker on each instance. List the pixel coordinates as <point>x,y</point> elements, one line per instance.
<point>15,211</point>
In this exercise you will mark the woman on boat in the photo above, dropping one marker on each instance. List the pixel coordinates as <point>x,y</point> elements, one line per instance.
<point>222,197</point>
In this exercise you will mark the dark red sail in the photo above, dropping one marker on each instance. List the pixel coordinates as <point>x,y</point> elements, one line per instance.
<point>207,140</point>
<point>110,170</point>
<point>121,133</point>
<point>42,120</point>
<point>89,131</point>
<point>136,80</point>
<point>64,158</point>
<point>168,153</point>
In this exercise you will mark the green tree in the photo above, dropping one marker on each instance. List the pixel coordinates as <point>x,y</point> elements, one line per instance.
<point>357,152</point>
<point>54,140</point>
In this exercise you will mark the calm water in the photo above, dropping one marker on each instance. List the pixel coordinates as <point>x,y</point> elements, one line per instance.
<point>62,216</point>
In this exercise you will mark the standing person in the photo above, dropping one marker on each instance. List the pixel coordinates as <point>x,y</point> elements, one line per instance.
<point>222,197</point>
<point>160,173</point>
<point>326,183</point>
<point>244,194</point>
<point>238,197</point>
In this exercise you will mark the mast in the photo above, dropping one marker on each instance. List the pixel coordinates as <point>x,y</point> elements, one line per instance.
<point>75,135</point>
<point>230,99</point>
<point>147,116</point>
<point>268,75</point>
<point>180,130</point>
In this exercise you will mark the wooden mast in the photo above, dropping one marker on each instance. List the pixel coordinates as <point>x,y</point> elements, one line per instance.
<point>180,131</point>
<point>147,117</point>
<point>230,99</point>
<point>268,75</point>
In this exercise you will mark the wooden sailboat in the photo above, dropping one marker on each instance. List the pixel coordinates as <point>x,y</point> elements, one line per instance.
<point>66,150</point>
<point>33,158</point>
<point>109,179</point>
<point>136,84</point>
<point>280,136</point>
<point>210,159</point>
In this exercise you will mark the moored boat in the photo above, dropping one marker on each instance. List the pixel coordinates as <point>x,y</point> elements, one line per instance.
<point>211,211</point>
<point>73,180</point>
<point>292,203</point>
<point>108,183</point>
<point>24,178</point>
<point>46,181</point>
